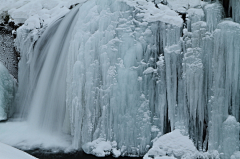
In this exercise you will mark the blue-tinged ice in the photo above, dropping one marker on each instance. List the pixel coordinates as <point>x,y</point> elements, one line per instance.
<point>226,64</point>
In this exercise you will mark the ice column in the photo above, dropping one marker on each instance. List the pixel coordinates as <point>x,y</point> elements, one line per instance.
<point>173,61</point>
<point>214,13</point>
<point>230,136</point>
<point>235,4</point>
<point>168,91</point>
<point>226,64</point>
<point>194,15</point>
<point>193,80</point>
<point>195,76</point>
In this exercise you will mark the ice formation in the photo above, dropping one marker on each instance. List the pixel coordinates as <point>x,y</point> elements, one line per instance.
<point>7,93</point>
<point>230,134</point>
<point>101,148</point>
<point>113,75</point>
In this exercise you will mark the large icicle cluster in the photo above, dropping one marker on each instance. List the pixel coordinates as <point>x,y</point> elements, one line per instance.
<point>226,79</point>
<point>112,63</point>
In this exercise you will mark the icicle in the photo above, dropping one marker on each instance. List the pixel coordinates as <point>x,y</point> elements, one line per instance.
<point>173,62</point>
<point>235,4</point>
<point>214,14</point>
<point>194,15</point>
<point>193,80</point>
<point>226,62</point>
<point>230,142</point>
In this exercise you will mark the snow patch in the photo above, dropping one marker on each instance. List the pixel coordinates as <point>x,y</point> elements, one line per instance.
<point>149,70</point>
<point>173,143</point>
<point>101,148</point>
<point>151,13</point>
<point>8,152</point>
<point>183,5</point>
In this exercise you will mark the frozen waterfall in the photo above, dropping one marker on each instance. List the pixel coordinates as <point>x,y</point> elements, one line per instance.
<point>124,72</point>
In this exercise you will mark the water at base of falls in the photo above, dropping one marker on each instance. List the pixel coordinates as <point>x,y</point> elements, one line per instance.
<point>73,155</point>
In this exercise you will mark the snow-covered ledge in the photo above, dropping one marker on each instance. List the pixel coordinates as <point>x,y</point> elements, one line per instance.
<point>8,152</point>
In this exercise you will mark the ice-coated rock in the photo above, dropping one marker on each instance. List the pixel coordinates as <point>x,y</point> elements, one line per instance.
<point>101,148</point>
<point>7,93</point>
<point>171,144</point>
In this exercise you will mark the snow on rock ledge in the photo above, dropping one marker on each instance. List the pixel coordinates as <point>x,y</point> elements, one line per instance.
<point>46,11</point>
<point>34,13</point>
<point>150,13</point>
<point>8,152</point>
<point>101,148</point>
<point>171,144</point>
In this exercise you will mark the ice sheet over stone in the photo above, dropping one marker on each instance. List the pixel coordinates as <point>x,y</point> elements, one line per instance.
<point>101,148</point>
<point>7,93</point>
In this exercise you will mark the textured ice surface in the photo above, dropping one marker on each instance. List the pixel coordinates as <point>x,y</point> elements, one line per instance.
<point>214,13</point>
<point>101,148</point>
<point>230,136</point>
<point>235,4</point>
<point>226,64</point>
<point>236,155</point>
<point>7,92</point>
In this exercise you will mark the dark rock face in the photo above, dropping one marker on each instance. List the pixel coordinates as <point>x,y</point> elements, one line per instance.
<point>8,55</point>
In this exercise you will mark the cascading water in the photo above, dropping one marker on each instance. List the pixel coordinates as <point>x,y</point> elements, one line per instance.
<point>44,100</point>
<point>112,71</point>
